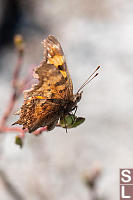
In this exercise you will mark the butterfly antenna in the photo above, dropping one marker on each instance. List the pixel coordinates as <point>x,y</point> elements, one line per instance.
<point>91,77</point>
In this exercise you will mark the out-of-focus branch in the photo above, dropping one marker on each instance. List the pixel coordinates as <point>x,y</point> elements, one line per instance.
<point>8,110</point>
<point>90,180</point>
<point>10,187</point>
<point>18,40</point>
<point>40,130</point>
<point>17,89</point>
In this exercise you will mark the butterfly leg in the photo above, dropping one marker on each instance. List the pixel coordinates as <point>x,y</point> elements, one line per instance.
<point>65,123</point>
<point>75,108</point>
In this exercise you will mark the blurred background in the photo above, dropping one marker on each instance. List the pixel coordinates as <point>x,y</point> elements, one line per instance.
<point>56,165</point>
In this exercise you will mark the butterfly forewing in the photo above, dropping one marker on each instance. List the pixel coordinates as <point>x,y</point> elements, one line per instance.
<point>40,107</point>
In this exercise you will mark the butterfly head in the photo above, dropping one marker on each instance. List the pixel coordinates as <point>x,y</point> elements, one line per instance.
<point>77,97</point>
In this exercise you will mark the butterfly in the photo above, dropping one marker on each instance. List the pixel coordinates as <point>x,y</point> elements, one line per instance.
<point>52,98</point>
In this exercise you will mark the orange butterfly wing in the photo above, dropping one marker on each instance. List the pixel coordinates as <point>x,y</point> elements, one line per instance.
<point>43,103</point>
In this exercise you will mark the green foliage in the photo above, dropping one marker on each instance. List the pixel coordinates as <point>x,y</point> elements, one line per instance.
<point>19,141</point>
<point>71,121</point>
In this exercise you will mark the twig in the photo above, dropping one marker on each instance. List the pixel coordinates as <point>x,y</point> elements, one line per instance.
<point>12,129</point>
<point>8,110</point>
<point>40,130</point>
<point>17,89</point>
<point>15,94</point>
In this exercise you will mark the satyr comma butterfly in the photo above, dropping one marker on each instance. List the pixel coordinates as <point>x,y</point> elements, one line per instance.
<point>52,98</point>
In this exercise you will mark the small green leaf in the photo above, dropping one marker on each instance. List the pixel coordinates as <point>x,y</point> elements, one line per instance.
<point>71,121</point>
<point>78,121</point>
<point>19,141</point>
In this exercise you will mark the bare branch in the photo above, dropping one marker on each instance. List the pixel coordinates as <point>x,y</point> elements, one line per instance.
<point>10,187</point>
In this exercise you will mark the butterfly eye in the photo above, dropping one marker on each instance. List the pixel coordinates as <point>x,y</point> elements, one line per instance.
<point>60,67</point>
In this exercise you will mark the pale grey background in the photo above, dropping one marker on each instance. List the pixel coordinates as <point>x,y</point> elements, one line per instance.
<point>50,166</point>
